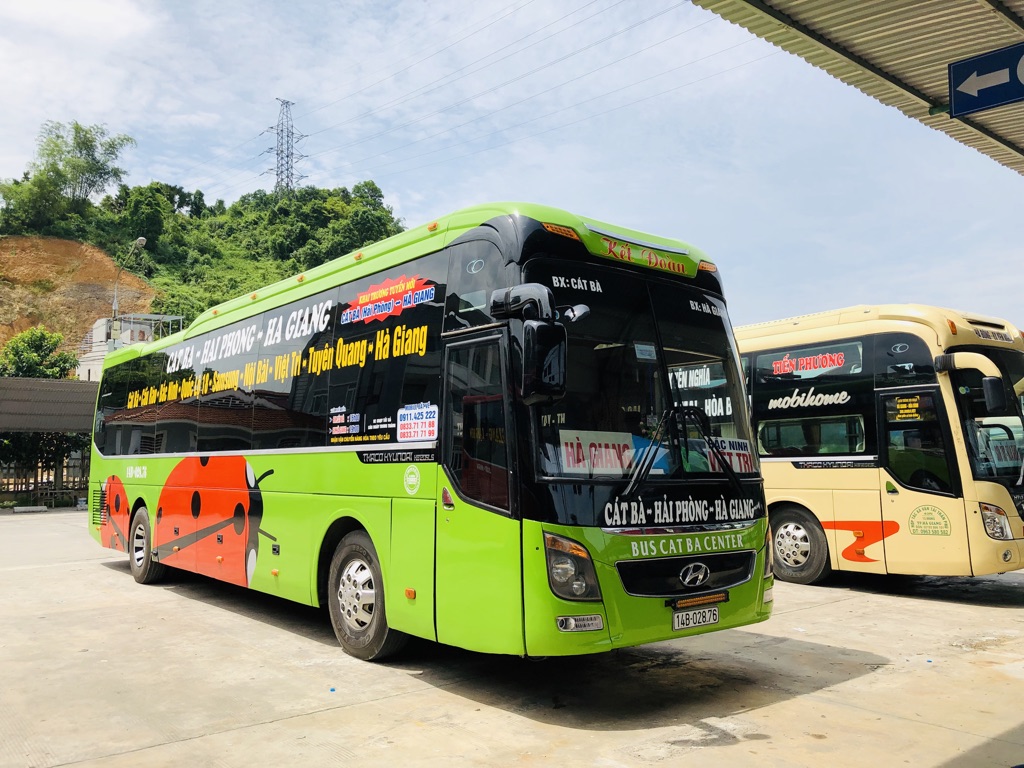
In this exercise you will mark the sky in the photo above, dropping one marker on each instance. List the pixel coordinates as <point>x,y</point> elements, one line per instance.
<point>650,114</point>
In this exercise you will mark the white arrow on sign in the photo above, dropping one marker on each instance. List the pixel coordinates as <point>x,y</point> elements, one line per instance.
<point>977,82</point>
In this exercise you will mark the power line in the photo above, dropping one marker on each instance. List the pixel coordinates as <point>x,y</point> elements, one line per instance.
<point>420,91</point>
<point>420,61</point>
<point>577,104</point>
<point>523,76</point>
<point>505,12</point>
<point>417,92</point>
<point>550,64</point>
<point>575,122</point>
<point>605,111</point>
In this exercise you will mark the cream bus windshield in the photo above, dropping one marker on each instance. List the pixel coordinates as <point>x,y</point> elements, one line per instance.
<point>995,441</point>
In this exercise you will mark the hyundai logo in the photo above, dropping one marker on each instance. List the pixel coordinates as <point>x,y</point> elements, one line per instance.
<point>899,349</point>
<point>475,266</point>
<point>694,575</point>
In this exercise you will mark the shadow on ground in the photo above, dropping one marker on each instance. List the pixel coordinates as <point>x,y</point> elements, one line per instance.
<point>999,591</point>
<point>310,623</point>
<point>1005,751</point>
<point>687,682</point>
<point>671,683</point>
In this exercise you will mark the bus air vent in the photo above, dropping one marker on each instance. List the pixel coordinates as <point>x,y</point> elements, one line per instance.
<point>98,507</point>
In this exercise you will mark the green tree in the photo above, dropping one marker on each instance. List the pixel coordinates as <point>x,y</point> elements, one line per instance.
<point>197,206</point>
<point>44,450</point>
<point>369,194</point>
<point>73,163</point>
<point>32,203</point>
<point>34,354</point>
<point>84,156</point>
<point>145,212</point>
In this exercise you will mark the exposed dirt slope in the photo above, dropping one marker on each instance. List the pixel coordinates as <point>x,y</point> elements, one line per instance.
<point>62,284</point>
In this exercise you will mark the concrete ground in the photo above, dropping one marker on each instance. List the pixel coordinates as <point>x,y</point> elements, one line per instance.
<point>96,670</point>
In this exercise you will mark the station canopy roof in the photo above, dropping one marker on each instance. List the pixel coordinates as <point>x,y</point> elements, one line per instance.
<point>898,51</point>
<point>46,405</point>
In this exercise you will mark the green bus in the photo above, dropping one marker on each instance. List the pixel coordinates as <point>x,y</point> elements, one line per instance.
<point>512,430</point>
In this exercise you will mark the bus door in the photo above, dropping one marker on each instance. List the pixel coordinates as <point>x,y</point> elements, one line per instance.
<point>479,601</point>
<point>923,515</point>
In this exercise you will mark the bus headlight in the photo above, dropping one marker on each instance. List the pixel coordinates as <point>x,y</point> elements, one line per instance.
<point>571,572</point>
<point>562,569</point>
<point>996,524</point>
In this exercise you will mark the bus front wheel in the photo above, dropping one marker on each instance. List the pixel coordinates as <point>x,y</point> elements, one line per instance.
<point>356,601</point>
<point>801,550</point>
<point>145,569</point>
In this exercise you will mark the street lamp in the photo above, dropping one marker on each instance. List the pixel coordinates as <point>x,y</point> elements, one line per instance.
<point>115,326</point>
<point>139,243</point>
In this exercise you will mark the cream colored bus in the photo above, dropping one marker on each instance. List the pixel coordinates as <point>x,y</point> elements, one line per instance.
<point>890,440</point>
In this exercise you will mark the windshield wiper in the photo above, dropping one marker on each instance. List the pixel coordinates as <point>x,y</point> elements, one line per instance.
<point>648,457</point>
<point>700,419</point>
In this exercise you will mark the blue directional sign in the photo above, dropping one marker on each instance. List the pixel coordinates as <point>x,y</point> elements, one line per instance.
<point>989,80</point>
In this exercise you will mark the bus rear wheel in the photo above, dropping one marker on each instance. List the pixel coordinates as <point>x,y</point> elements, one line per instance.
<point>801,549</point>
<point>356,601</point>
<point>144,568</point>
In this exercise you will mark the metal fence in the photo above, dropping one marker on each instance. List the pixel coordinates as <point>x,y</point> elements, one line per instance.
<point>63,487</point>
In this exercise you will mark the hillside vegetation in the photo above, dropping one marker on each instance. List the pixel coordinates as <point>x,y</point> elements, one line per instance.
<point>195,254</point>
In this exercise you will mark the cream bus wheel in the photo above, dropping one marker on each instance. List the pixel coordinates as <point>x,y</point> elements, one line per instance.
<point>801,550</point>
<point>356,601</point>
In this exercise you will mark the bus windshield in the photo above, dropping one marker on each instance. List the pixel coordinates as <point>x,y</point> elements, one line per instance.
<point>995,441</point>
<point>647,355</point>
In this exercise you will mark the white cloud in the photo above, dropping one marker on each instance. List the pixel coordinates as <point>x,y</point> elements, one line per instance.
<point>809,194</point>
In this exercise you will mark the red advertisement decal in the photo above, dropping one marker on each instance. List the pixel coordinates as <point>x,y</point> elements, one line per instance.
<point>812,363</point>
<point>388,299</point>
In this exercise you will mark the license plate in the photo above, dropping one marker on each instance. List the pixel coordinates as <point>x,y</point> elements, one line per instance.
<point>698,617</point>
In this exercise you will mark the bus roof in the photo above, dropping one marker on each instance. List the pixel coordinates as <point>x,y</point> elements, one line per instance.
<point>948,324</point>
<point>405,246</point>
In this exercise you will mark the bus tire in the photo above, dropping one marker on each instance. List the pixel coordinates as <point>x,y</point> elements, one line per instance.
<point>144,568</point>
<point>801,549</point>
<point>356,601</point>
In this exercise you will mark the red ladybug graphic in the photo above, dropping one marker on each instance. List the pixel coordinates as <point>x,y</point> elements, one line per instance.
<point>208,518</point>
<point>115,518</point>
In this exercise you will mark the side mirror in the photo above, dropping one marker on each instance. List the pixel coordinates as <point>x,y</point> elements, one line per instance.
<point>544,353</point>
<point>529,301</point>
<point>995,395</point>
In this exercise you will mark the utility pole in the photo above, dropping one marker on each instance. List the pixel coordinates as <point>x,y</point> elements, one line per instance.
<point>287,137</point>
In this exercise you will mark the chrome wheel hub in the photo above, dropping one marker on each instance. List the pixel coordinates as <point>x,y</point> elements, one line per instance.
<point>792,545</point>
<point>139,545</point>
<point>356,595</point>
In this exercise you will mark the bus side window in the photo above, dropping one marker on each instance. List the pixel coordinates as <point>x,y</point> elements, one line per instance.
<point>916,446</point>
<point>477,455</point>
<point>224,414</point>
<point>902,359</point>
<point>835,435</point>
<point>110,412</point>
<point>147,438</point>
<point>475,270</point>
<point>287,408</point>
